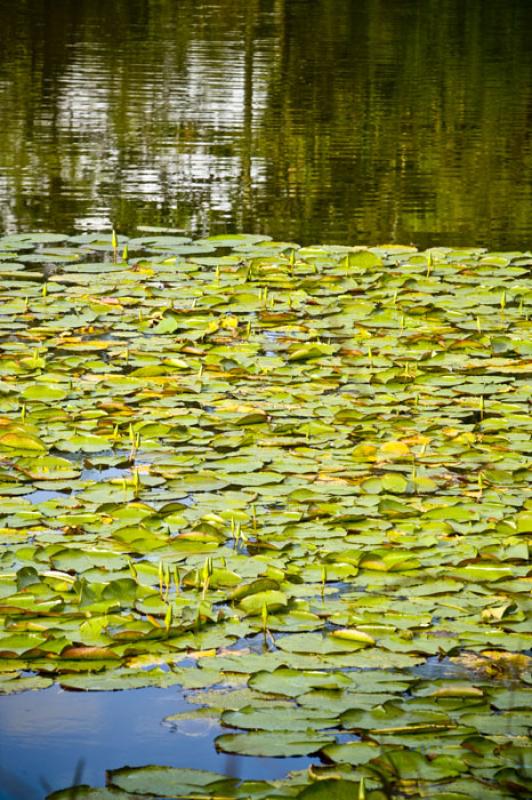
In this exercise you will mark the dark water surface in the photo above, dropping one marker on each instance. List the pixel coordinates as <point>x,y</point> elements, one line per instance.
<point>312,120</point>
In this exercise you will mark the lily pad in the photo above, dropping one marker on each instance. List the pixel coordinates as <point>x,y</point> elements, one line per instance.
<point>168,781</point>
<point>281,744</point>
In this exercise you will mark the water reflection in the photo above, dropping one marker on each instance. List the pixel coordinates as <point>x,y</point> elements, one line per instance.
<point>329,120</point>
<point>46,736</point>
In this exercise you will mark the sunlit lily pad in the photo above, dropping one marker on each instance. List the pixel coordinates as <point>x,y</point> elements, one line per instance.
<point>15,684</point>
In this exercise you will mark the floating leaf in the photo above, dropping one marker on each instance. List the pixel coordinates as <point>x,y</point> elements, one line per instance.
<point>121,679</point>
<point>393,450</point>
<point>291,682</point>
<point>21,441</point>
<point>274,718</point>
<point>280,744</point>
<point>354,753</point>
<point>12,685</point>
<point>168,781</point>
<point>329,789</point>
<point>272,600</point>
<point>408,765</point>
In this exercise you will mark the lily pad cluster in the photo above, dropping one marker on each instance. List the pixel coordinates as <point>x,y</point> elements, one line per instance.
<point>292,480</point>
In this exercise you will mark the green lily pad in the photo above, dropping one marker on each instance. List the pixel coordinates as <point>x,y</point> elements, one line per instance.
<point>272,600</point>
<point>291,682</point>
<point>408,765</point>
<point>83,792</point>
<point>118,680</point>
<point>281,744</point>
<point>12,685</point>
<point>354,753</point>
<point>14,440</point>
<point>274,718</point>
<point>329,789</point>
<point>168,781</point>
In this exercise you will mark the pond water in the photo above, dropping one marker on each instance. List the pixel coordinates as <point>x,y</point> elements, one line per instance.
<point>332,121</point>
<point>326,121</point>
<point>53,738</point>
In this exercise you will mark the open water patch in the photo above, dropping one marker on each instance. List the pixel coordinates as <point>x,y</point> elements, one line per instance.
<point>53,736</point>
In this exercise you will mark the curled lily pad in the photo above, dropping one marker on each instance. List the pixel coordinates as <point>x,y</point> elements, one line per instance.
<point>353,635</point>
<point>21,441</point>
<point>271,600</point>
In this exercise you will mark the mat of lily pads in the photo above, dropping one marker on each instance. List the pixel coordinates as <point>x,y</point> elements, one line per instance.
<point>292,481</point>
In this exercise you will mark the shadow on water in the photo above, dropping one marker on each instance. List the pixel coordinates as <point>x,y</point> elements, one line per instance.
<point>53,739</point>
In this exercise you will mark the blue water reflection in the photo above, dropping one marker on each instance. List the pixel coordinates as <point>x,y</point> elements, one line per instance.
<point>46,736</point>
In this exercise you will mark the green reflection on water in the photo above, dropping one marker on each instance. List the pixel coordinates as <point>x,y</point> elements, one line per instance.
<point>328,120</point>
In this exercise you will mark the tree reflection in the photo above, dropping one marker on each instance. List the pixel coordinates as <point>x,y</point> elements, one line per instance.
<point>329,120</point>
